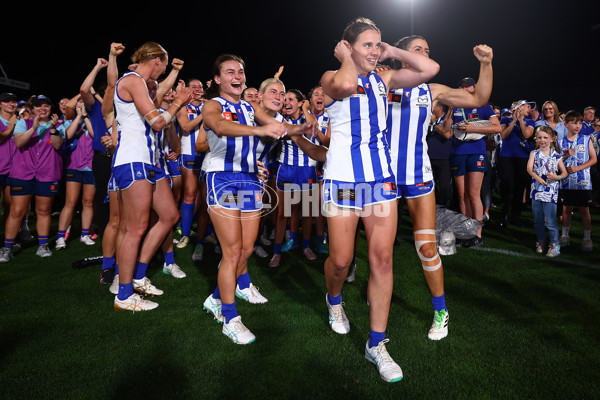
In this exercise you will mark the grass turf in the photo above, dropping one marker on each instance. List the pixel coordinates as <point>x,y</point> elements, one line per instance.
<point>522,326</point>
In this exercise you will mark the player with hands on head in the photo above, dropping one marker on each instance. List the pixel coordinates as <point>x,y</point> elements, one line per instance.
<point>358,180</point>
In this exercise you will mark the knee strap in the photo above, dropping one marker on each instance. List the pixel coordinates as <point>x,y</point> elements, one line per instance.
<point>422,237</point>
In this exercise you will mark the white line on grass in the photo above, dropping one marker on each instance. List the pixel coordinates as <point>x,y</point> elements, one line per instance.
<point>518,254</point>
<point>531,256</point>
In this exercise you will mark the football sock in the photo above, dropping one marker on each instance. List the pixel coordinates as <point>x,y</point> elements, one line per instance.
<point>375,338</point>
<point>42,239</point>
<point>277,248</point>
<point>216,293</point>
<point>107,262</point>
<point>587,234</point>
<point>439,303</point>
<point>565,231</point>
<point>305,243</point>
<point>187,215</point>
<point>169,258</point>
<point>140,270</point>
<point>9,243</point>
<point>244,281</point>
<point>334,301</point>
<point>294,236</point>
<point>229,311</point>
<point>85,232</point>
<point>125,290</point>
<point>320,239</point>
<point>61,234</point>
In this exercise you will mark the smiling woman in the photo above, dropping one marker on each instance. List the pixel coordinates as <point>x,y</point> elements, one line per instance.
<point>35,172</point>
<point>358,180</point>
<point>234,193</point>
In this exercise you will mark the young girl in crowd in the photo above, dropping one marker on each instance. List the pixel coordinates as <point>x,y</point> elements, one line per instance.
<point>546,167</point>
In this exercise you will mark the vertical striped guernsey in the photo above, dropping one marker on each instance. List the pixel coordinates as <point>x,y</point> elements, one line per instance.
<point>409,114</point>
<point>358,151</point>
<point>233,154</point>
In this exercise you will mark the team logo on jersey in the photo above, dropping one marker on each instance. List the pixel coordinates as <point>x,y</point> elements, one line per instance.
<point>422,101</point>
<point>229,116</point>
<point>381,88</point>
<point>368,86</point>
<point>251,115</point>
<point>473,115</point>
<point>394,98</point>
<point>360,90</point>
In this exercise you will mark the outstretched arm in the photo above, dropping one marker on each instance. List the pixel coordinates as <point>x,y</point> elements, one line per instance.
<point>86,90</point>
<point>314,151</point>
<point>483,89</point>
<point>169,82</point>
<point>417,68</point>
<point>214,120</point>
<point>112,75</point>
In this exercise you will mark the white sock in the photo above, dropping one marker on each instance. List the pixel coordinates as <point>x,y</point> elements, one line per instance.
<point>587,235</point>
<point>565,231</point>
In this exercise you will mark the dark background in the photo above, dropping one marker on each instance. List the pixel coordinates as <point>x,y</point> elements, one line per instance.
<point>542,49</point>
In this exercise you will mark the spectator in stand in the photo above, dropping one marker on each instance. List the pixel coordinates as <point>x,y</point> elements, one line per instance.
<point>512,160</point>
<point>35,173</point>
<point>101,160</point>
<point>8,120</point>
<point>468,158</point>
<point>587,127</point>
<point>438,148</point>
<point>551,118</point>
<point>78,176</point>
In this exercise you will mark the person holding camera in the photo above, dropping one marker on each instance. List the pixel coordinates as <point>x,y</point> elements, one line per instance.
<point>512,160</point>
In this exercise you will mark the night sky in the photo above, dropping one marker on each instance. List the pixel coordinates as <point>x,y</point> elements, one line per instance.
<point>543,50</point>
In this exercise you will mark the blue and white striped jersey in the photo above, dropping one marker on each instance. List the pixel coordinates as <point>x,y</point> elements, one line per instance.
<point>358,151</point>
<point>409,114</point>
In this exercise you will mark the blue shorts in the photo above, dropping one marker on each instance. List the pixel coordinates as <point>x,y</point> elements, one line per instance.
<point>20,187</point>
<point>272,167</point>
<point>4,180</point>
<point>125,175</point>
<point>85,177</point>
<point>234,191</point>
<point>291,178</point>
<point>358,195</point>
<point>173,168</point>
<point>191,162</point>
<point>416,190</point>
<point>202,176</point>
<point>320,172</point>
<point>461,164</point>
<point>160,173</point>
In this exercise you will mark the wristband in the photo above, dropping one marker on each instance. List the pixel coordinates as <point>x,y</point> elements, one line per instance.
<point>167,116</point>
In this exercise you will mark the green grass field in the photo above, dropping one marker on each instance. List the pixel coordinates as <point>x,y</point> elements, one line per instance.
<point>522,326</point>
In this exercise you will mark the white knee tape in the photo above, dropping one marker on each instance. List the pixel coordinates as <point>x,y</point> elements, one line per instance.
<point>429,237</point>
